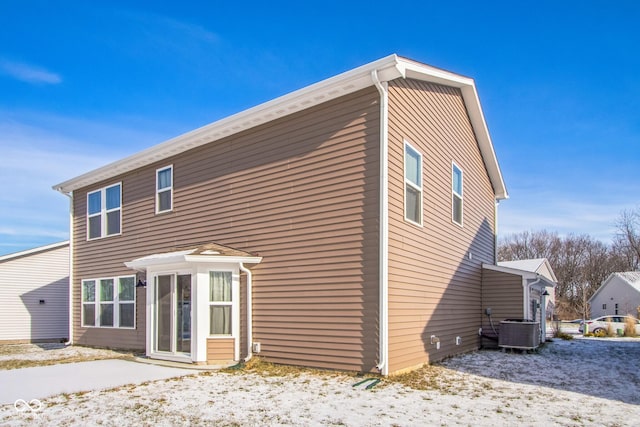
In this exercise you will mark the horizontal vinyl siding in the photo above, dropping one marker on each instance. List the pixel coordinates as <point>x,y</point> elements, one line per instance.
<point>434,288</point>
<point>24,282</point>
<point>503,293</point>
<point>220,349</point>
<point>302,192</point>
<point>616,291</point>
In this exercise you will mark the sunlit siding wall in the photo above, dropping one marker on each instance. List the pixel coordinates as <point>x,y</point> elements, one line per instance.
<point>302,192</point>
<point>435,269</point>
<point>27,280</point>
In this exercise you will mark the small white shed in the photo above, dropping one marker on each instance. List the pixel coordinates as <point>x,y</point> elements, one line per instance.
<point>34,290</point>
<point>619,294</point>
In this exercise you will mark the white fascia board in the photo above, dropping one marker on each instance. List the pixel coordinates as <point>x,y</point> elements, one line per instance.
<point>388,68</point>
<point>34,250</point>
<point>509,270</point>
<point>467,86</point>
<point>142,264</point>
<point>318,93</point>
<point>222,258</point>
<point>479,125</point>
<point>527,275</point>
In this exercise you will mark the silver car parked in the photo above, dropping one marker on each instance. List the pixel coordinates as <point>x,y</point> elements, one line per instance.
<point>602,324</point>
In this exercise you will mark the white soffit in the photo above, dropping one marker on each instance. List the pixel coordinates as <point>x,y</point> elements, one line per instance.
<point>388,68</point>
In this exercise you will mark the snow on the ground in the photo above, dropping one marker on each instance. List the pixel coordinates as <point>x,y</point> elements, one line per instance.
<point>572,383</point>
<point>53,351</point>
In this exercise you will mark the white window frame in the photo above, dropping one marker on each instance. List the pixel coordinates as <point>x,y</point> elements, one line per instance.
<point>231,304</point>
<point>455,194</point>
<point>163,190</point>
<point>103,212</point>
<point>115,302</point>
<point>419,188</point>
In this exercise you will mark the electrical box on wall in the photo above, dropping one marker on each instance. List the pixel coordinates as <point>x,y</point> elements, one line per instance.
<point>256,347</point>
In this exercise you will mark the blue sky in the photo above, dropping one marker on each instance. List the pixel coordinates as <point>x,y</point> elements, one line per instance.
<point>86,83</point>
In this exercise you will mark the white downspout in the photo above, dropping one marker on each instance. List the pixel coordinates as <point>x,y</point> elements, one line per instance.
<point>495,230</point>
<point>383,365</point>
<point>70,196</point>
<point>249,312</point>
<point>527,301</point>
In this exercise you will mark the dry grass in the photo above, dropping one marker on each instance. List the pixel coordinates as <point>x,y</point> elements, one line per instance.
<point>630,327</point>
<point>428,377</point>
<point>17,356</point>
<point>30,363</point>
<point>260,366</point>
<point>611,332</point>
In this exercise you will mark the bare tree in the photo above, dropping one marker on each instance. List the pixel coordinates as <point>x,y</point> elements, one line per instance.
<point>580,262</point>
<point>528,245</point>
<point>627,238</point>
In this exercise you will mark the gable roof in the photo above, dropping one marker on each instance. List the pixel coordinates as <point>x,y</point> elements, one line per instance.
<point>34,251</point>
<point>632,278</point>
<point>385,69</point>
<point>534,265</point>
<point>526,274</point>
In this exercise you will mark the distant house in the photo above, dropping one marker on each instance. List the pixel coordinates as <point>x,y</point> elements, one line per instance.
<point>34,290</point>
<point>619,294</point>
<point>344,225</point>
<point>516,290</point>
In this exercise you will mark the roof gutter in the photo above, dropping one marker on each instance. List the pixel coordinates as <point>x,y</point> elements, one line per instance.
<point>70,196</point>
<point>383,328</point>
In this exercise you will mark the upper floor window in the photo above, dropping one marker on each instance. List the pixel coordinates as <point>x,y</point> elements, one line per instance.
<point>164,189</point>
<point>104,212</point>
<point>412,184</point>
<point>109,302</point>
<point>456,193</point>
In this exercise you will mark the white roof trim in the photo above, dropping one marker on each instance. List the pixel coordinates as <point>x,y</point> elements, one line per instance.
<point>143,263</point>
<point>523,273</point>
<point>34,250</point>
<point>528,264</point>
<point>612,276</point>
<point>388,68</point>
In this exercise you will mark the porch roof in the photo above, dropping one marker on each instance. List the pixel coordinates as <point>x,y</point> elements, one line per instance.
<point>529,275</point>
<point>207,253</point>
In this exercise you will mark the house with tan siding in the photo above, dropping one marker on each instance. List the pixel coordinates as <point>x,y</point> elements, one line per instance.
<point>343,226</point>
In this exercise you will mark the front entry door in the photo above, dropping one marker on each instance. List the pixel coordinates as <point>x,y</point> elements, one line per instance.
<point>173,314</point>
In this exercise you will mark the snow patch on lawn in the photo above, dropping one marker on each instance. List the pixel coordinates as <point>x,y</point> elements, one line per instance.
<point>53,351</point>
<point>571,383</point>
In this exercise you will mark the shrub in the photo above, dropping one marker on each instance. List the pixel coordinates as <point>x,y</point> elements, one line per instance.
<point>600,333</point>
<point>563,335</point>
<point>611,332</point>
<point>629,327</point>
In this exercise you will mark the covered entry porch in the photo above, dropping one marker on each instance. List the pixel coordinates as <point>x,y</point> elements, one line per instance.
<point>194,303</point>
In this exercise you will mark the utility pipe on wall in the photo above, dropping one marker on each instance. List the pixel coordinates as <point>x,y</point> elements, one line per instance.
<point>383,271</point>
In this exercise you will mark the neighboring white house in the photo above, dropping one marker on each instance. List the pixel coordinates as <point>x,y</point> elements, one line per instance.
<point>541,267</point>
<point>618,294</point>
<point>34,290</point>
